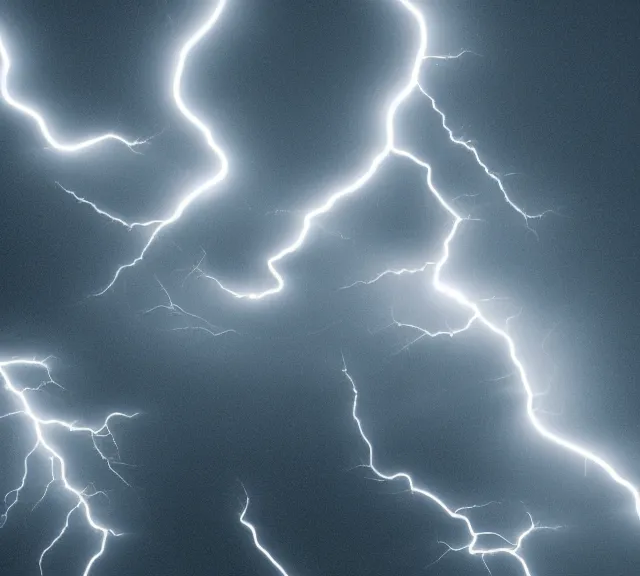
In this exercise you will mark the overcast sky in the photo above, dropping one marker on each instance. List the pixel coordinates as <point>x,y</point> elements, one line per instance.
<point>296,93</point>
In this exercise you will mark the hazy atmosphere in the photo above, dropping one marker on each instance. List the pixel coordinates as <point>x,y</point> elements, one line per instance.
<point>433,203</point>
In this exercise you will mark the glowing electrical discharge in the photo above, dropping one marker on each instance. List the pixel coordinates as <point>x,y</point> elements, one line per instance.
<point>475,315</point>
<point>254,534</point>
<point>44,446</point>
<point>512,549</point>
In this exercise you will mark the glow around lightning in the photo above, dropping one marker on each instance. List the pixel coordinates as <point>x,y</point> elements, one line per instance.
<point>450,292</point>
<point>389,149</point>
<point>44,447</point>
<point>510,548</point>
<point>32,113</point>
<point>254,535</point>
<point>220,174</point>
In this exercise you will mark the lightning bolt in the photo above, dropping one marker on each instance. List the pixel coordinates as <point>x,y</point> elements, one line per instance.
<point>476,318</point>
<point>466,303</point>
<point>43,429</point>
<point>510,548</point>
<point>38,118</point>
<point>254,535</point>
<point>157,226</point>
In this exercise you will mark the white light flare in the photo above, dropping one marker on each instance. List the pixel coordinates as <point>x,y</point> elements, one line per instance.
<point>476,316</point>
<point>512,549</point>
<point>43,446</point>
<point>254,534</point>
<point>327,205</point>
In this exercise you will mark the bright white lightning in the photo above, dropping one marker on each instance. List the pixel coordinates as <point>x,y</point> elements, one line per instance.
<point>45,446</point>
<point>450,292</point>
<point>254,534</point>
<point>512,549</point>
<point>389,149</point>
<point>157,225</point>
<point>201,127</point>
<point>31,112</point>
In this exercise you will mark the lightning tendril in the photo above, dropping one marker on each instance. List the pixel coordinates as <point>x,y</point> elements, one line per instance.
<point>510,548</point>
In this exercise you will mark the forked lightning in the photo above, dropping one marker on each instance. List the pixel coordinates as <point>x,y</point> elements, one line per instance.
<point>476,318</point>
<point>44,446</point>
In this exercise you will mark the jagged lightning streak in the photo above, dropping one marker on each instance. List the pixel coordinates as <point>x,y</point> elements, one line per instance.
<point>173,308</point>
<point>393,272</point>
<point>36,116</point>
<point>389,149</point>
<point>107,215</point>
<point>44,445</point>
<point>512,549</point>
<point>201,127</point>
<point>157,226</point>
<point>254,534</point>
<point>450,292</point>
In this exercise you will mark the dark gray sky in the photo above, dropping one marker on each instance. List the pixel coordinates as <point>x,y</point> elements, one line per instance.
<point>296,93</point>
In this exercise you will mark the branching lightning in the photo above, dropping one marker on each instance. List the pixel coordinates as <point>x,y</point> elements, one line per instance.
<point>201,127</point>
<point>511,548</point>
<point>202,324</point>
<point>44,446</point>
<point>452,293</point>
<point>476,318</point>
